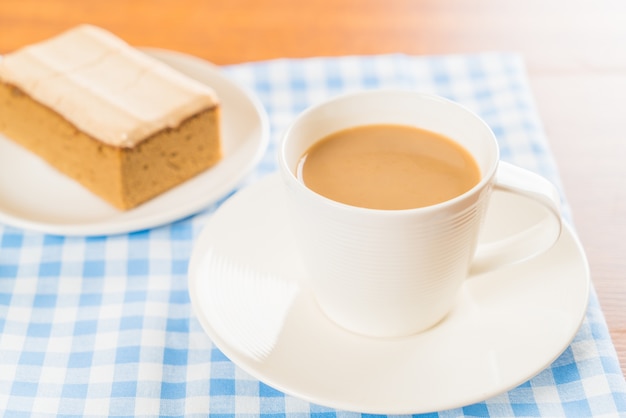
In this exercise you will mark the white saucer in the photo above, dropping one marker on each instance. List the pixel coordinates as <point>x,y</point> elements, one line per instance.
<point>35,196</point>
<point>246,289</point>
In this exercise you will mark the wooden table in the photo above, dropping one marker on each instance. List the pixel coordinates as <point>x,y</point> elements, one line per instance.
<point>575,52</point>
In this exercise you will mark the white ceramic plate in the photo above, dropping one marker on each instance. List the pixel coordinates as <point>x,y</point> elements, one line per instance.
<point>35,196</point>
<point>245,283</point>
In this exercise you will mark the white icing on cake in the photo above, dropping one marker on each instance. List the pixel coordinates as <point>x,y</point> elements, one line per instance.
<point>104,87</point>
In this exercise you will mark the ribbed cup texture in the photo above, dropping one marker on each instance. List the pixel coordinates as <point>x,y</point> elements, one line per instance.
<point>387,273</point>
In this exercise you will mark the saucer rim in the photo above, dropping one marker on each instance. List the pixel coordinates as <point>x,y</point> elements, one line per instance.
<point>198,253</point>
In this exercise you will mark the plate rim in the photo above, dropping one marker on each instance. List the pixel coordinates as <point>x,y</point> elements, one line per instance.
<point>129,223</point>
<point>197,256</point>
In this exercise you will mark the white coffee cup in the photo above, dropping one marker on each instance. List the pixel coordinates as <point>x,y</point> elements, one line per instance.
<point>390,273</point>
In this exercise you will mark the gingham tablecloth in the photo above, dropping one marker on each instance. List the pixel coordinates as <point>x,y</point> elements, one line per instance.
<point>103,326</point>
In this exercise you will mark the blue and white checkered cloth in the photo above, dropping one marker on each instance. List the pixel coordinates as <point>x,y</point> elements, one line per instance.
<point>103,326</point>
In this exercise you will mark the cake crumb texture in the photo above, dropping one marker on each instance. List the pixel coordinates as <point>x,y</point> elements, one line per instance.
<point>125,174</point>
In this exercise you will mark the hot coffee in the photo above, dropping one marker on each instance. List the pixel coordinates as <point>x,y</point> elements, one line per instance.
<point>388,167</point>
<point>391,273</point>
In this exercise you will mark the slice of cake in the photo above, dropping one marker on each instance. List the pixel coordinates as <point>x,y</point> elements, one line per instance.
<point>124,125</point>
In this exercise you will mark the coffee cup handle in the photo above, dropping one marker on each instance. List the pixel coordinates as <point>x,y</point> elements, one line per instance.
<point>532,241</point>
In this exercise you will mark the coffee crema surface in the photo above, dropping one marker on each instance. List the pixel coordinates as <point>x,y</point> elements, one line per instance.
<point>388,167</point>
